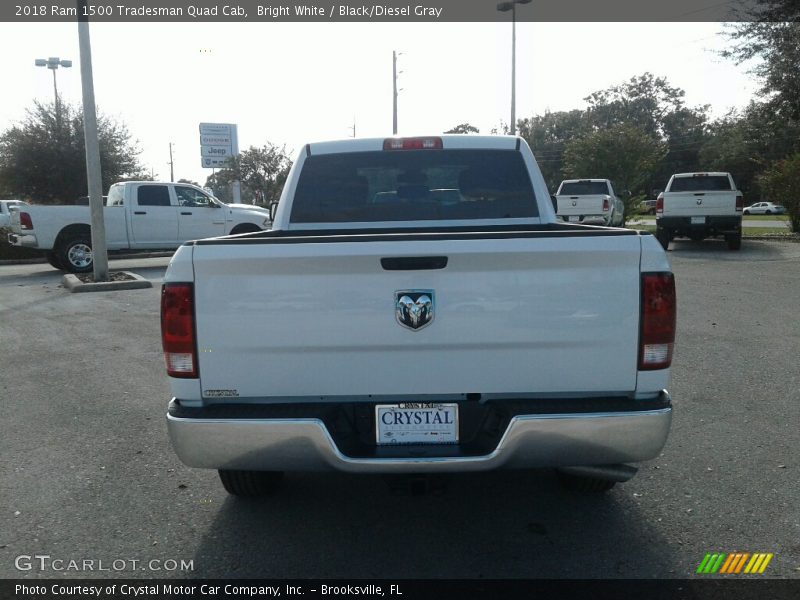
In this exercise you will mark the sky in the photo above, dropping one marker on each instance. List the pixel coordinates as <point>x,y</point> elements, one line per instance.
<point>292,83</point>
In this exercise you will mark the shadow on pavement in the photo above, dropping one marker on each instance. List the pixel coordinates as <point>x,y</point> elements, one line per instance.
<point>481,525</point>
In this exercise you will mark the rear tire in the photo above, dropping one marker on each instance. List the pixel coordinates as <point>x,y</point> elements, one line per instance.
<point>54,261</point>
<point>663,236</point>
<point>245,228</point>
<point>747,212</point>
<point>734,241</point>
<point>250,484</point>
<point>768,212</point>
<point>75,254</point>
<point>588,485</point>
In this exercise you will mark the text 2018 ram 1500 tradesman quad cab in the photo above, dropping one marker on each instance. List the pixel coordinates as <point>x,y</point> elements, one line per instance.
<point>418,308</point>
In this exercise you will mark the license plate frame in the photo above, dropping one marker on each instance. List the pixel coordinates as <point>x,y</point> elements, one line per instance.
<point>698,221</point>
<point>441,427</point>
<point>574,219</point>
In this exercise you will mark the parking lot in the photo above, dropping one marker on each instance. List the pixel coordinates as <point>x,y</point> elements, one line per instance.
<point>87,473</point>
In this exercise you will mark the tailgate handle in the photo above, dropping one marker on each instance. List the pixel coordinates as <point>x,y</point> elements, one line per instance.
<point>699,193</point>
<point>573,197</point>
<point>186,213</point>
<point>139,212</point>
<point>414,263</point>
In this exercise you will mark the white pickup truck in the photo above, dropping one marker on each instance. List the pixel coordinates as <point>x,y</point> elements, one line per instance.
<point>700,205</point>
<point>138,215</point>
<point>418,308</point>
<point>6,208</point>
<point>590,201</point>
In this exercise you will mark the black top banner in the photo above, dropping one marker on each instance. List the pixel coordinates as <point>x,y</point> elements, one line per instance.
<point>254,11</point>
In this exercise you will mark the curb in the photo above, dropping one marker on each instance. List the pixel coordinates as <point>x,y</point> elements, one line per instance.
<point>75,285</point>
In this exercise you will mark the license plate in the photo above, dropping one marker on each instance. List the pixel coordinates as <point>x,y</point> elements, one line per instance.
<point>416,423</point>
<point>698,220</point>
<point>574,219</point>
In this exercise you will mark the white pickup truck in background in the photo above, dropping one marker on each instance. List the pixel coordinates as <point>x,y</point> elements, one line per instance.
<point>590,202</point>
<point>700,205</point>
<point>6,208</point>
<point>418,308</point>
<point>138,215</point>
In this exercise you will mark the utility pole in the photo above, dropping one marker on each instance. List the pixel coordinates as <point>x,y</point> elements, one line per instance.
<point>171,169</point>
<point>354,126</point>
<point>93,172</point>
<point>394,92</point>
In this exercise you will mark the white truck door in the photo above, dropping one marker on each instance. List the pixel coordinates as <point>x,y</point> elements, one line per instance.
<point>154,216</point>
<point>198,216</point>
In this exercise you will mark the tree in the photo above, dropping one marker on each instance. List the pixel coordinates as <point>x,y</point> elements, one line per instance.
<point>624,154</point>
<point>464,128</point>
<point>771,32</point>
<point>548,135</point>
<point>182,180</point>
<point>261,171</point>
<point>44,158</point>
<point>781,182</point>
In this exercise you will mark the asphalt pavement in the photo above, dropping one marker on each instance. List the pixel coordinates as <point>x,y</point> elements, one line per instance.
<point>87,473</point>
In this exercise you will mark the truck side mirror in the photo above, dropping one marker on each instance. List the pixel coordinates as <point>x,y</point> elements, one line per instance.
<point>554,200</point>
<point>273,208</point>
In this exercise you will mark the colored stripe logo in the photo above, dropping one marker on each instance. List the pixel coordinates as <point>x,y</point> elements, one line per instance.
<point>734,563</point>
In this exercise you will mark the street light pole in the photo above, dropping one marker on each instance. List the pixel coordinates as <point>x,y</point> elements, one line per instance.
<point>394,92</point>
<point>53,63</point>
<point>505,7</point>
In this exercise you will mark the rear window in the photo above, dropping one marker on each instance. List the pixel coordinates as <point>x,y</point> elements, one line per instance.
<point>413,185</point>
<point>705,183</point>
<point>153,195</point>
<point>584,188</point>
<point>115,196</point>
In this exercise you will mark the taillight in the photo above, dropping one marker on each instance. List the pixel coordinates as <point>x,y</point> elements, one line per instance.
<point>25,221</point>
<point>660,204</point>
<point>739,203</point>
<point>606,205</point>
<point>417,143</point>
<point>177,329</point>
<point>657,334</point>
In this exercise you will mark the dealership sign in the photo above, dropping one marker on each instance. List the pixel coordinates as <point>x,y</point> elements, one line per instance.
<point>218,142</point>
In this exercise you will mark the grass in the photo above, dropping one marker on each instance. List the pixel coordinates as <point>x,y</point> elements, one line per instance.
<point>766,217</point>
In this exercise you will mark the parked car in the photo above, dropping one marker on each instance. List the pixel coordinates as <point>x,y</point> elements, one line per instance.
<point>419,308</point>
<point>700,205</point>
<point>138,215</point>
<point>764,208</point>
<point>647,207</point>
<point>6,206</point>
<point>589,202</point>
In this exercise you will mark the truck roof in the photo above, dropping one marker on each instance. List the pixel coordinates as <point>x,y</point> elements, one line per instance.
<point>703,174</point>
<point>579,180</point>
<point>449,142</point>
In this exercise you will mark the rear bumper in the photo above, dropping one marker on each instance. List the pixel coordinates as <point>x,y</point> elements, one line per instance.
<point>201,438</point>
<point>26,241</point>
<point>603,219</point>
<point>709,223</point>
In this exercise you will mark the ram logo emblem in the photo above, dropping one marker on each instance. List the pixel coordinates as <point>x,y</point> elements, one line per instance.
<point>414,309</point>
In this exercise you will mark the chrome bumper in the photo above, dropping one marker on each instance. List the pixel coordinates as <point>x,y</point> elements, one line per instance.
<point>531,441</point>
<point>26,241</point>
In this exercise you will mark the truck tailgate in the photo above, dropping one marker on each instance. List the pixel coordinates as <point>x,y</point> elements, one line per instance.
<point>712,203</point>
<point>580,205</point>
<point>282,318</point>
